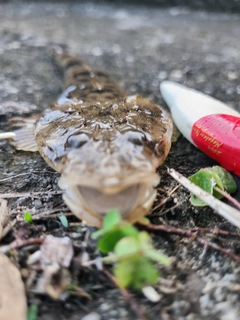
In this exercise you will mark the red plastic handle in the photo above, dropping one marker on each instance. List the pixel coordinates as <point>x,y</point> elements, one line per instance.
<point>218,135</point>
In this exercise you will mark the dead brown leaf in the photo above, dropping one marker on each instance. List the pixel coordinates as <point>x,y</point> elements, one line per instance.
<point>13,303</point>
<point>56,256</point>
<point>54,281</point>
<point>56,250</point>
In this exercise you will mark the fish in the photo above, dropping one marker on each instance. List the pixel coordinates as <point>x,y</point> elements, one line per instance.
<point>106,144</point>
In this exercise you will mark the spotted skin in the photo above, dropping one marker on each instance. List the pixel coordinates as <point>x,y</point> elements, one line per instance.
<point>105,144</point>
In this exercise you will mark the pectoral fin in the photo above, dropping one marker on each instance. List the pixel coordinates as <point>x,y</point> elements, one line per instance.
<point>175,133</point>
<point>24,139</point>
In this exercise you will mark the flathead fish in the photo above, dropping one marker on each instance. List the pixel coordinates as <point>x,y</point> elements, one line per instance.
<point>105,144</point>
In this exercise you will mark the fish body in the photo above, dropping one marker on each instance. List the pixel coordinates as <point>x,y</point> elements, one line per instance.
<point>105,144</point>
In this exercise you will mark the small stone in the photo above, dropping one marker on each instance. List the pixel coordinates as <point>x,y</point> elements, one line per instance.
<point>151,294</point>
<point>162,75</point>
<point>97,51</point>
<point>176,75</point>
<point>105,307</point>
<point>92,316</point>
<point>232,75</point>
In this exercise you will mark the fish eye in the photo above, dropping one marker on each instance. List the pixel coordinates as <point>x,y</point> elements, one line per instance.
<point>136,137</point>
<point>76,141</point>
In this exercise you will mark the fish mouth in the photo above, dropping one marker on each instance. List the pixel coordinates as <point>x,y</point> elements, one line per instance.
<point>90,201</point>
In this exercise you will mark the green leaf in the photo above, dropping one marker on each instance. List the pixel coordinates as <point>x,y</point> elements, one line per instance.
<point>127,246</point>
<point>204,179</point>
<point>157,256</point>
<point>112,237</point>
<point>64,221</point>
<point>111,219</point>
<point>27,217</point>
<point>72,286</point>
<point>145,274</point>
<point>136,272</point>
<point>208,178</point>
<point>148,249</point>
<point>229,184</point>
<point>98,234</point>
<point>124,272</point>
<point>197,202</point>
<point>144,221</point>
<point>108,241</point>
<point>32,312</point>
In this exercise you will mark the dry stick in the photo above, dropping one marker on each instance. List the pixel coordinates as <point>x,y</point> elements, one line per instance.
<point>191,233</point>
<point>19,243</point>
<point>166,199</point>
<point>7,135</point>
<point>217,232</point>
<point>29,194</point>
<point>227,212</point>
<point>129,299</point>
<point>169,209</point>
<point>9,226</point>
<point>45,214</point>
<point>228,252</point>
<point>228,196</point>
<point>187,232</point>
<point>26,173</point>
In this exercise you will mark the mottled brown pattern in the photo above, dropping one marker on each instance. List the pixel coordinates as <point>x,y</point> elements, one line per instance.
<point>104,143</point>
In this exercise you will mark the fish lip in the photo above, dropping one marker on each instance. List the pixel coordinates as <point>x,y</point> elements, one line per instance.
<point>108,184</point>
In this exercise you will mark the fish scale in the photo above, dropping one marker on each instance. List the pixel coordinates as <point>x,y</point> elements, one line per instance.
<point>105,144</point>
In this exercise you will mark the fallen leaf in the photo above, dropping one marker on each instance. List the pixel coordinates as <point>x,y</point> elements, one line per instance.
<point>56,256</point>
<point>13,303</point>
<point>56,250</point>
<point>54,281</point>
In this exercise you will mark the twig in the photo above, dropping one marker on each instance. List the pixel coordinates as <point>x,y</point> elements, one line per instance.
<point>48,214</point>
<point>192,233</point>
<point>7,135</point>
<point>188,232</point>
<point>29,194</point>
<point>161,203</point>
<point>228,252</point>
<point>19,243</point>
<point>169,209</point>
<point>228,196</point>
<point>26,173</point>
<point>227,212</point>
<point>129,299</point>
<point>9,226</point>
<point>218,232</point>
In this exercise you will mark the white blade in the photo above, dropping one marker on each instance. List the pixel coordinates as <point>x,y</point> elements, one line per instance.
<point>188,106</point>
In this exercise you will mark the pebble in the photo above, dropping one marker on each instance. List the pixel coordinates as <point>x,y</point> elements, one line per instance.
<point>92,316</point>
<point>176,75</point>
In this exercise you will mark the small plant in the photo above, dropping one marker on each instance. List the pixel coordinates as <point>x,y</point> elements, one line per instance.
<point>64,221</point>
<point>209,179</point>
<point>131,251</point>
<point>27,217</point>
<point>32,312</point>
<point>72,286</point>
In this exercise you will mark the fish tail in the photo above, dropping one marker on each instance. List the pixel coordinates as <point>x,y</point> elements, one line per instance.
<point>64,60</point>
<point>89,80</point>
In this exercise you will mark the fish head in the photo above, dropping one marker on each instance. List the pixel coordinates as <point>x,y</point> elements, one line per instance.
<point>113,166</point>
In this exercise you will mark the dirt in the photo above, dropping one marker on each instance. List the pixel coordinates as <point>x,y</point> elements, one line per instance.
<point>139,47</point>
